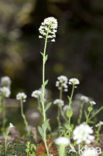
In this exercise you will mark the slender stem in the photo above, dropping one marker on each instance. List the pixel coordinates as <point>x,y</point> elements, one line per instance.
<point>23,115</point>
<point>4,114</point>
<point>61,93</point>
<point>98,134</point>
<point>81,112</point>
<point>43,79</point>
<point>58,118</point>
<point>94,114</point>
<point>88,119</point>
<point>71,97</point>
<point>43,91</point>
<point>70,102</point>
<point>39,106</point>
<point>5,139</point>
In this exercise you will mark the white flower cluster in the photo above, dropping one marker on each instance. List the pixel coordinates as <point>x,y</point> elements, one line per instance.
<point>74,81</point>
<point>5,81</point>
<point>84,98</point>
<point>58,102</point>
<point>36,94</point>
<point>22,96</point>
<point>92,102</point>
<point>49,25</point>
<point>82,133</point>
<point>99,124</point>
<point>11,125</point>
<point>62,82</point>
<point>62,141</point>
<point>4,91</point>
<point>90,152</point>
<point>66,108</point>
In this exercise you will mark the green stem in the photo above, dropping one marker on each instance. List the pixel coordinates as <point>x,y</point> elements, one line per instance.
<point>39,106</point>
<point>62,150</point>
<point>43,79</point>
<point>5,139</point>
<point>61,93</point>
<point>94,114</point>
<point>4,114</point>
<point>23,115</point>
<point>87,118</point>
<point>43,90</point>
<point>58,118</point>
<point>81,112</point>
<point>71,97</point>
<point>98,134</point>
<point>70,102</point>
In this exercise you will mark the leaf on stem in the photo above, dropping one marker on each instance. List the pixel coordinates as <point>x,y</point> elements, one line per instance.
<point>41,131</point>
<point>48,106</point>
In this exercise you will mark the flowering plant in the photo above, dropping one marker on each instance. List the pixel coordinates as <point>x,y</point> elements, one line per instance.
<point>67,135</point>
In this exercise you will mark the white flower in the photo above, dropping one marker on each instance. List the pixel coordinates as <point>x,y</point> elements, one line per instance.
<point>92,102</point>
<point>82,133</point>
<point>74,81</point>
<point>22,96</point>
<point>99,124</point>
<point>4,91</point>
<point>62,141</point>
<point>62,82</point>
<point>59,102</point>
<point>84,99</point>
<point>65,108</point>
<point>6,81</point>
<point>11,125</point>
<point>49,25</point>
<point>36,94</point>
<point>90,152</point>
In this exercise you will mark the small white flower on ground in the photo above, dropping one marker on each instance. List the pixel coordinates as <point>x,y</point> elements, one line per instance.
<point>22,96</point>
<point>84,98</point>
<point>49,25</point>
<point>90,152</point>
<point>92,102</point>
<point>58,102</point>
<point>74,81</point>
<point>62,141</point>
<point>4,91</point>
<point>5,81</point>
<point>36,94</point>
<point>11,125</point>
<point>62,83</point>
<point>82,133</point>
<point>99,124</point>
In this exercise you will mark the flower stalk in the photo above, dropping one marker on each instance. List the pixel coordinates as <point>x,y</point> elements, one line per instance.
<point>22,114</point>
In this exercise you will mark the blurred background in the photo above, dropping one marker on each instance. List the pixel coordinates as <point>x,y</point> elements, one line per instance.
<point>77,52</point>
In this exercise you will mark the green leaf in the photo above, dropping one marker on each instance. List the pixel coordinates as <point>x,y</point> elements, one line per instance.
<point>41,131</point>
<point>48,106</point>
<point>45,124</point>
<point>69,113</point>
<point>45,83</point>
<point>46,58</point>
<point>42,53</point>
